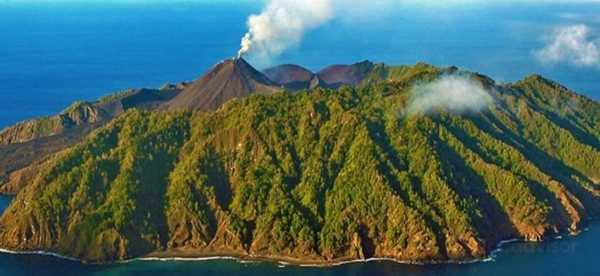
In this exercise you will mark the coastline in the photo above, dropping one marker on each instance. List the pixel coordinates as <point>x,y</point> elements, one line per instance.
<point>280,261</point>
<point>41,253</point>
<point>275,260</point>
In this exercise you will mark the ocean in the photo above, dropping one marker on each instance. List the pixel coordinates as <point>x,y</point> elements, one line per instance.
<point>54,54</point>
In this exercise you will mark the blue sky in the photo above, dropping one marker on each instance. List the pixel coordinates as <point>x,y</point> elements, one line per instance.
<point>60,51</point>
<point>503,39</point>
<point>439,3</point>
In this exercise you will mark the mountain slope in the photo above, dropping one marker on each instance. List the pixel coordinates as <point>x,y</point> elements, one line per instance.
<point>233,78</point>
<point>295,77</point>
<point>25,145</point>
<point>76,115</point>
<point>291,76</point>
<point>321,176</point>
<point>337,75</point>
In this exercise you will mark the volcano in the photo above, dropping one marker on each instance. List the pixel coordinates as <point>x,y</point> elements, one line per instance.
<point>143,185</point>
<point>337,75</point>
<point>232,78</point>
<point>295,77</point>
<point>291,76</point>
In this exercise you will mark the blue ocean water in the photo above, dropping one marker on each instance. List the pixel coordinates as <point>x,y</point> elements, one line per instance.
<point>54,54</point>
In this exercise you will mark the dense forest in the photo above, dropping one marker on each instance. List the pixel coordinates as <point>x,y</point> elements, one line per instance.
<point>322,175</point>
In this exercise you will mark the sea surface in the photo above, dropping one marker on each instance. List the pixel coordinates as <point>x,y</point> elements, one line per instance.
<point>54,54</point>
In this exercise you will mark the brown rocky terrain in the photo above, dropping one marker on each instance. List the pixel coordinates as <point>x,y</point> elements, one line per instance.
<point>232,78</point>
<point>25,145</point>
<point>337,75</point>
<point>292,77</point>
<point>318,176</point>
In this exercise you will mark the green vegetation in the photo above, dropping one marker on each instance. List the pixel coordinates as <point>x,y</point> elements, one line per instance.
<point>320,175</point>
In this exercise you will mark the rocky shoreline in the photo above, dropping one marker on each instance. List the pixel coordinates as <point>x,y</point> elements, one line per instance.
<point>340,180</point>
<point>286,261</point>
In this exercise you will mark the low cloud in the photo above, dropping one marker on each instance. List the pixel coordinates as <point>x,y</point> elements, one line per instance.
<point>454,93</point>
<point>573,45</point>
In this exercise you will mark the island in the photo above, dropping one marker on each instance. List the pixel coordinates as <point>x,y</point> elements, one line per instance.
<point>348,163</point>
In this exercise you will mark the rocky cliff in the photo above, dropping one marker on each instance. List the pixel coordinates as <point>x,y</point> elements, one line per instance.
<point>29,143</point>
<point>322,175</point>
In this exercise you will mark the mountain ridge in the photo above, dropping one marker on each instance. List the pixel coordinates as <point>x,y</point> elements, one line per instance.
<point>321,175</point>
<point>32,141</point>
<point>29,143</point>
<point>296,77</point>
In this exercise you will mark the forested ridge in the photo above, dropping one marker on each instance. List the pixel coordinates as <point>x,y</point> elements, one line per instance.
<point>322,175</point>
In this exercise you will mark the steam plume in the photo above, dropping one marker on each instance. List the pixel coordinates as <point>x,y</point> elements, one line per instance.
<point>455,93</point>
<point>281,25</point>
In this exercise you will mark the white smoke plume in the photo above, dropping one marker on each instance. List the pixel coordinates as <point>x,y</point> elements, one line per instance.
<point>282,25</point>
<point>454,93</point>
<point>573,45</point>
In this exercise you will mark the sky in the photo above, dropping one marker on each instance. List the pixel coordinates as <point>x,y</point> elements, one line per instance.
<point>272,34</point>
<point>388,3</point>
<point>505,39</point>
<point>282,25</point>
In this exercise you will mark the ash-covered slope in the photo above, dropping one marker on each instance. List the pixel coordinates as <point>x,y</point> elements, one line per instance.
<point>84,114</point>
<point>291,76</point>
<point>295,77</point>
<point>337,75</point>
<point>322,176</point>
<point>26,145</point>
<point>232,78</point>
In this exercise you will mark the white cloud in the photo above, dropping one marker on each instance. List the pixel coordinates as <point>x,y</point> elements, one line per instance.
<point>455,93</point>
<point>573,45</point>
<point>282,23</point>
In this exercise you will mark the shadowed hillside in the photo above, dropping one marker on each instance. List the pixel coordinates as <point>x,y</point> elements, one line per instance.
<point>321,175</point>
